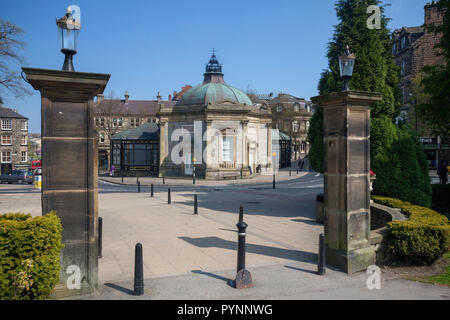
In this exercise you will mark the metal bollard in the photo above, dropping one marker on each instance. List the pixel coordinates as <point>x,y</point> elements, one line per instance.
<point>274,181</point>
<point>321,269</point>
<point>168,197</point>
<point>100,234</point>
<point>195,204</point>
<point>193,175</point>
<point>139,186</point>
<point>121,173</point>
<point>164,180</point>
<point>290,173</point>
<point>138,271</point>
<point>243,277</point>
<point>151,191</point>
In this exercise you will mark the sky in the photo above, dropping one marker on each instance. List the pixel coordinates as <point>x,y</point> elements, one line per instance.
<point>161,45</point>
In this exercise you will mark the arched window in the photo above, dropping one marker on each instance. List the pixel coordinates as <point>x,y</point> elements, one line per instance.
<point>279,108</point>
<point>296,107</point>
<point>303,147</point>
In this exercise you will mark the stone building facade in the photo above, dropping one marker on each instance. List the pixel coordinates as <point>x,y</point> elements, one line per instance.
<point>216,131</point>
<point>413,48</point>
<point>112,116</point>
<point>290,115</point>
<point>13,141</point>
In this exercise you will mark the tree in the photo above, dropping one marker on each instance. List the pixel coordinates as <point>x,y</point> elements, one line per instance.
<point>10,60</point>
<point>435,110</point>
<point>374,71</point>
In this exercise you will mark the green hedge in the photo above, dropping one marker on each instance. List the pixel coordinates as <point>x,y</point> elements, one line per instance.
<point>29,255</point>
<point>421,239</point>
<point>440,199</point>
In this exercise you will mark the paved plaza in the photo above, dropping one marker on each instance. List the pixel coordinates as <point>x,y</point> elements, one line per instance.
<point>189,256</point>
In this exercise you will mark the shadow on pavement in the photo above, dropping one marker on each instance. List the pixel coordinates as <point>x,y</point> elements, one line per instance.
<point>295,255</point>
<point>119,288</point>
<point>300,269</point>
<point>215,276</point>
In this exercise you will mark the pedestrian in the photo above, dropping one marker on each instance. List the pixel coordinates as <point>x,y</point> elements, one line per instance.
<point>111,173</point>
<point>442,172</point>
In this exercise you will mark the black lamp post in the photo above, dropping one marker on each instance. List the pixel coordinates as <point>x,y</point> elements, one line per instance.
<point>346,64</point>
<point>68,28</point>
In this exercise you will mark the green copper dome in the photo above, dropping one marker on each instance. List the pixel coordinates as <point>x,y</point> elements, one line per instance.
<point>213,90</point>
<point>214,93</point>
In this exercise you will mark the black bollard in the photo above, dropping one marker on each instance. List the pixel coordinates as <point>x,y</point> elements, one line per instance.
<point>151,190</point>
<point>139,186</point>
<point>138,271</point>
<point>164,180</point>
<point>121,173</point>
<point>168,197</point>
<point>274,181</point>
<point>290,173</point>
<point>195,204</point>
<point>322,265</point>
<point>243,277</point>
<point>100,233</point>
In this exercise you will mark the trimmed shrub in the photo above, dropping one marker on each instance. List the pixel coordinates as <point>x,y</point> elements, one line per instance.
<point>29,255</point>
<point>421,239</point>
<point>440,199</point>
<point>402,171</point>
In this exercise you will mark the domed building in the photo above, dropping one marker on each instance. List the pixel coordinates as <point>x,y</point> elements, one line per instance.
<point>215,130</point>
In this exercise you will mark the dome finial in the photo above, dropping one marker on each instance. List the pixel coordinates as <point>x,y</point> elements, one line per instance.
<point>213,70</point>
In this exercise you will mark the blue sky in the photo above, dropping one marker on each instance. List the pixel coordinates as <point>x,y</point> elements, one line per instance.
<point>155,45</point>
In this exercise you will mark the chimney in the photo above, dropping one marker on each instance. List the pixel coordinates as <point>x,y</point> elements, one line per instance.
<point>127,96</point>
<point>170,97</point>
<point>100,97</point>
<point>158,97</point>
<point>432,14</point>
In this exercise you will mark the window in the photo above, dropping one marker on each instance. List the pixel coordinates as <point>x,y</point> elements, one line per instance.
<point>226,149</point>
<point>394,48</point>
<point>24,125</point>
<point>115,123</point>
<point>279,108</point>
<point>295,126</point>
<point>6,139</point>
<point>303,147</point>
<point>135,122</point>
<point>403,44</point>
<point>24,156</point>
<point>23,141</point>
<point>120,122</point>
<point>296,108</point>
<point>308,108</point>
<point>100,122</point>
<point>307,125</point>
<point>6,124</point>
<point>101,138</point>
<point>403,68</point>
<point>6,157</point>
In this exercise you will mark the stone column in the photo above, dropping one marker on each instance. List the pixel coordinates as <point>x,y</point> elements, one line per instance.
<point>163,134</point>
<point>346,178</point>
<point>69,167</point>
<point>245,170</point>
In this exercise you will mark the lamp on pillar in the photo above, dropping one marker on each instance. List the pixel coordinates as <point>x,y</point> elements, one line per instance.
<point>67,123</point>
<point>68,28</point>
<point>346,64</point>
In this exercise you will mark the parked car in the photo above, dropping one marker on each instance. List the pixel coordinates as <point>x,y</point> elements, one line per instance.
<point>18,176</point>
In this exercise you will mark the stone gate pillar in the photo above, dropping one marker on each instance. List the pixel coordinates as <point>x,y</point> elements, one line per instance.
<point>346,118</point>
<point>69,168</point>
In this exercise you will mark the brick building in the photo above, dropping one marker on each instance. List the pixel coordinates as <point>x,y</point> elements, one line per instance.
<point>113,116</point>
<point>13,140</point>
<point>291,115</point>
<point>413,48</point>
